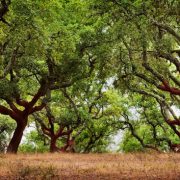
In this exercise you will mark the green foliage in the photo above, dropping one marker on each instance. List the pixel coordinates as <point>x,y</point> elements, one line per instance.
<point>148,125</point>
<point>6,129</point>
<point>130,144</point>
<point>34,143</point>
<point>7,89</point>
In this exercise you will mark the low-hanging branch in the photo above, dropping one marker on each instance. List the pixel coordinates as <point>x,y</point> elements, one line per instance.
<point>131,128</point>
<point>169,29</point>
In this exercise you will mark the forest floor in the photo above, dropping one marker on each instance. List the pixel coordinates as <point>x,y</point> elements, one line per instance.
<point>90,166</point>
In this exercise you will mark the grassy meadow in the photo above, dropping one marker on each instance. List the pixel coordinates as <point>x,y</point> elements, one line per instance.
<point>90,166</point>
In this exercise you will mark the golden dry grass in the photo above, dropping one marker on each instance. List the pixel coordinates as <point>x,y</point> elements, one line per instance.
<point>90,166</point>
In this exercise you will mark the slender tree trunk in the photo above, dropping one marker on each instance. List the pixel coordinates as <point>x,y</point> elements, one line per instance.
<point>17,136</point>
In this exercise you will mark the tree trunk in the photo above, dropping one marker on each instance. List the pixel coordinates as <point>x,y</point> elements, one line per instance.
<point>53,147</point>
<point>17,136</point>
<point>175,148</point>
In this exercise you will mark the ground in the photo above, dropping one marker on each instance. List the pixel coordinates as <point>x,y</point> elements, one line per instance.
<point>90,166</point>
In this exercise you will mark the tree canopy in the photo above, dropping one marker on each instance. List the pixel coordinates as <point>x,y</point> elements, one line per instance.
<point>80,71</point>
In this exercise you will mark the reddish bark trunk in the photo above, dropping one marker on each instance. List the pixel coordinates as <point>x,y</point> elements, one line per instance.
<point>53,147</point>
<point>175,147</point>
<point>21,117</point>
<point>17,136</point>
<point>68,147</point>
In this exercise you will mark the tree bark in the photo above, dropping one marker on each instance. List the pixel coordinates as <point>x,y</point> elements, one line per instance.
<point>53,147</point>
<point>17,136</point>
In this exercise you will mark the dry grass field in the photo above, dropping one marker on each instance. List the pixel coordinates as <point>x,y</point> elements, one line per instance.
<point>90,166</point>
